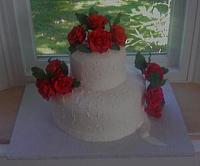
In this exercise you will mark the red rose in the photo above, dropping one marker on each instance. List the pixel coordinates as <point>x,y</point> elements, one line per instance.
<point>154,112</point>
<point>97,21</point>
<point>118,35</point>
<point>54,67</point>
<point>45,88</point>
<point>154,100</point>
<point>99,40</point>
<point>77,35</point>
<point>154,95</point>
<point>153,68</point>
<point>63,84</point>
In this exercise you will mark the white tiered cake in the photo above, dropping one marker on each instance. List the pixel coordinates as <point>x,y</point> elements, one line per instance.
<point>108,104</point>
<point>99,99</point>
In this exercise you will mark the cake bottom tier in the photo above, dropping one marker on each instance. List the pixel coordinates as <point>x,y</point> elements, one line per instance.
<point>103,115</point>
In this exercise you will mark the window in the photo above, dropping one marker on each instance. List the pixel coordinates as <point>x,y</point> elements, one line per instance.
<point>146,23</point>
<point>164,27</point>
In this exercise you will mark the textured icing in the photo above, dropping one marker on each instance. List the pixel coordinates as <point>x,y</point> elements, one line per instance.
<point>102,115</point>
<point>99,71</point>
<point>108,105</point>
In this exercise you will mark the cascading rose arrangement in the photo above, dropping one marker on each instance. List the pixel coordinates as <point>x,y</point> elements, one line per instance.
<point>96,33</point>
<point>154,76</point>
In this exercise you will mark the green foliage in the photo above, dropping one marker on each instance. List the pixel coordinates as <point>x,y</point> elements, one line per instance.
<point>38,73</point>
<point>163,82</point>
<point>64,68</point>
<point>92,11</point>
<point>76,83</point>
<point>72,49</point>
<point>117,19</point>
<point>107,27</point>
<point>50,74</point>
<point>165,70</point>
<point>83,48</point>
<point>140,62</point>
<point>80,47</point>
<point>154,80</point>
<point>109,18</point>
<point>82,18</point>
<point>115,47</point>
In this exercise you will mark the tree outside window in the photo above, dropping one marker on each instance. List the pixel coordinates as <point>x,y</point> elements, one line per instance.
<point>146,22</point>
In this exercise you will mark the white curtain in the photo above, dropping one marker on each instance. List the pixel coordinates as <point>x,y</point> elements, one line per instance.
<point>196,73</point>
<point>195,76</point>
<point>11,66</point>
<point>194,68</point>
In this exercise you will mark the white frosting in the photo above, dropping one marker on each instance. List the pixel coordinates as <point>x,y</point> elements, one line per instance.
<point>99,71</point>
<point>102,115</point>
<point>108,105</point>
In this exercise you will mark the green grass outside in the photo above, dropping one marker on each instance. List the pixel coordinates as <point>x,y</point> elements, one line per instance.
<point>146,23</point>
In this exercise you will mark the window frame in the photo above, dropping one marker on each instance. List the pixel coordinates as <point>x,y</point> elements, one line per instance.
<point>179,68</point>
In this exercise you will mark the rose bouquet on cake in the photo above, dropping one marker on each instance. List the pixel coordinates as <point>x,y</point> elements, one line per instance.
<point>96,33</point>
<point>154,77</point>
<point>54,80</point>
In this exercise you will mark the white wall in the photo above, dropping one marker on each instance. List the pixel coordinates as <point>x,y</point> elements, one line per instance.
<point>11,66</point>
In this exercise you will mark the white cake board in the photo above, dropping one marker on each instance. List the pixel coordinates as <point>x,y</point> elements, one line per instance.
<point>35,136</point>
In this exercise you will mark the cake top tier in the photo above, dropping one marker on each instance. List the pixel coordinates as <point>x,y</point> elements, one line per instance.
<point>96,33</point>
<point>99,72</point>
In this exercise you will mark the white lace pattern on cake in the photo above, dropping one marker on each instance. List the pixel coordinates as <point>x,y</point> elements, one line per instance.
<point>99,72</point>
<point>102,115</point>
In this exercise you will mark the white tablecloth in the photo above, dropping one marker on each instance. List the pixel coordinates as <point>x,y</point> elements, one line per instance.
<point>35,136</point>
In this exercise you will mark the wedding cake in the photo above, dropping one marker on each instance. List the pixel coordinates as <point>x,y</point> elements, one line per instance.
<point>108,104</point>
<point>98,98</point>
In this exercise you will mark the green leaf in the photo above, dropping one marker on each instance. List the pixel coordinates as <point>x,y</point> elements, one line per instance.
<point>165,70</point>
<point>149,58</point>
<point>83,48</point>
<point>49,60</point>
<point>107,27</point>
<point>140,62</point>
<point>92,11</point>
<point>109,18</point>
<point>117,19</point>
<point>86,27</point>
<point>163,82</point>
<point>64,68</point>
<point>76,83</point>
<point>38,73</point>
<point>82,18</point>
<point>154,80</point>
<point>115,47</point>
<point>72,49</point>
<point>50,74</point>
